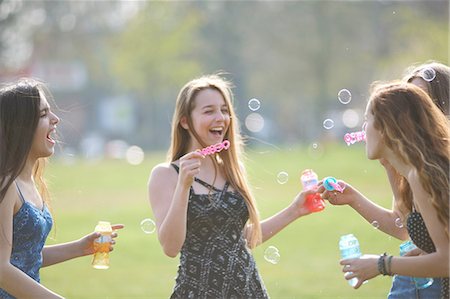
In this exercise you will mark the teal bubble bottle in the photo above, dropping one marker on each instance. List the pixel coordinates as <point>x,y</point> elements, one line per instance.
<point>349,248</point>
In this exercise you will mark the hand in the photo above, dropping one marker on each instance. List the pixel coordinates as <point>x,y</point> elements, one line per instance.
<point>363,268</point>
<point>337,198</point>
<point>299,203</point>
<point>87,242</point>
<point>190,167</point>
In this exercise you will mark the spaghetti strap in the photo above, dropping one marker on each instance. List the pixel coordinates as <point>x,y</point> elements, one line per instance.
<point>20,192</point>
<point>176,167</point>
<point>205,184</point>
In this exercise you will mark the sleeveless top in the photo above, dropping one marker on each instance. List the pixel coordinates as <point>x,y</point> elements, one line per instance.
<point>31,227</point>
<point>215,261</point>
<point>421,238</point>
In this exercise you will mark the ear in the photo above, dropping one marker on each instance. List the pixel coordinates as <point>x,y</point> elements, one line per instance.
<point>184,123</point>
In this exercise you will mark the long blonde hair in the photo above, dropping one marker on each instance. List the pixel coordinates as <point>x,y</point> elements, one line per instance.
<point>413,127</point>
<point>229,160</point>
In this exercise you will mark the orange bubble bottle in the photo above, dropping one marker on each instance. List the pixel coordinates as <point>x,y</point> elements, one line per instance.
<point>101,245</point>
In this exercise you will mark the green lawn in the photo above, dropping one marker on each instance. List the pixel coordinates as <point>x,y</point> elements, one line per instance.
<point>86,192</point>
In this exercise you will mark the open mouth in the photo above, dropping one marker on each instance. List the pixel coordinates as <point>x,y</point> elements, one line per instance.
<point>217,131</point>
<point>49,136</point>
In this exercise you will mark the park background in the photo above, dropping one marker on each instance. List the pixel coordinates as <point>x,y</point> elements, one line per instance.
<point>115,68</point>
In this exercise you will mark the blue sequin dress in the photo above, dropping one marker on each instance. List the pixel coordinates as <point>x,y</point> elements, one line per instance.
<point>31,227</point>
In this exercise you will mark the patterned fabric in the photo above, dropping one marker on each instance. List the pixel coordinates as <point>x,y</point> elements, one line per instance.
<point>31,227</point>
<point>214,260</point>
<point>420,236</point>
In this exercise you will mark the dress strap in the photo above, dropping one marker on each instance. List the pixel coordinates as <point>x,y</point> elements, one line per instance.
<point>176,167</point>
<point>20,192</point>
<point>205,184</point>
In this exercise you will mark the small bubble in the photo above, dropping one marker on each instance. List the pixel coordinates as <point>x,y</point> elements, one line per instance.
<point>428,74</point>
<point>254,122</point>
<point>315,151</point>
<point>344,96</point>
<point>398,223</point>
<point>148,226</point>
<point>328,124</point>
<point>272,255</point>
<point>375,224</point>
<point>254,104</point>
<point>282,177</point>
<point>134,155</point>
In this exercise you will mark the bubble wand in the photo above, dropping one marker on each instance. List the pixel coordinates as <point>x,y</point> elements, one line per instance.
<point>215,148</point>
<point>331,184</point>
<point>353,137</point>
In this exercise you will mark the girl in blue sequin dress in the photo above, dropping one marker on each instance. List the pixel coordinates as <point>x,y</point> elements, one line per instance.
<point>203,207</point>
<point>27,126</point>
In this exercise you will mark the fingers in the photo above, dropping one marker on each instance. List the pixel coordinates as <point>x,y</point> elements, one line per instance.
<point>117,226</point>
<point>331,196</point>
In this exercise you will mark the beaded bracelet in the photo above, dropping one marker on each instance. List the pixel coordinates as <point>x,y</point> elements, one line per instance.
<point>388,267</point>
<point>381,265</point>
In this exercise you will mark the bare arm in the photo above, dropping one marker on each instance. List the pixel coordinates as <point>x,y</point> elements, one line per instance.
<point>386,219</point>
<point>435,264</point>
<point>273,225</point>
<point>169,194</point>
<point>13,280</point>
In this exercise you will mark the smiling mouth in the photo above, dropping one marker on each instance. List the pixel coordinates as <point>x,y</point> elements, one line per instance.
<point>217,131</point>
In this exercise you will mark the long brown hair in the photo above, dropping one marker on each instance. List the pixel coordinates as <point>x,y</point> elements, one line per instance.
<point>229,160</point>
<point>19,117</point>
<point>413,127</point>
<point>438,87</point>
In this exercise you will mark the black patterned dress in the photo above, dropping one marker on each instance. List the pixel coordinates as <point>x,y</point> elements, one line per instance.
<point>421,238</point>
<point>214,260</point>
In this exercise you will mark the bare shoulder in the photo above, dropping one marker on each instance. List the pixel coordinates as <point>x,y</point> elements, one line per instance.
<point>162,175</point>
<point>9,203</point>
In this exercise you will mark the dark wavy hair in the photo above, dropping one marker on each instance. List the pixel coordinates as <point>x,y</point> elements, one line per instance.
<point>19,117</point>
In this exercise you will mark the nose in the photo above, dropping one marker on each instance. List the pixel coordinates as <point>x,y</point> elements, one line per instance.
<point>54,118</point>
<point>220,116</point>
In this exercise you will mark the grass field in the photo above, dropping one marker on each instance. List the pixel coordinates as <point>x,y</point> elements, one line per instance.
<point>113,190</point>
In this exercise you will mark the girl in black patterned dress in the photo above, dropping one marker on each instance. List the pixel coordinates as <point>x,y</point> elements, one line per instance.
<point>407,130</point>
<point>203,206</point>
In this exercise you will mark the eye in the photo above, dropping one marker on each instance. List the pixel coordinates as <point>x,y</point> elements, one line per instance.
<point>208,111</point>
<point>44,113</point>
<point>225,111</point>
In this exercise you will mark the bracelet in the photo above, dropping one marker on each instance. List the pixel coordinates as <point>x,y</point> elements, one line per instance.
<point>388,268</point>
<point>381,265</point>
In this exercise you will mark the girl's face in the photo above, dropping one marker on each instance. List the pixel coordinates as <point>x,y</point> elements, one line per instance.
<point>374,140</point>
<point>210,117</point>
<point>43,144</point>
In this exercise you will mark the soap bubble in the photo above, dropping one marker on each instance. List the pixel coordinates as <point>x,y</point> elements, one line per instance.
<point>282,177</point>
<point>272,255</point>
<point>254,104</point>
<point>148,226</point>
